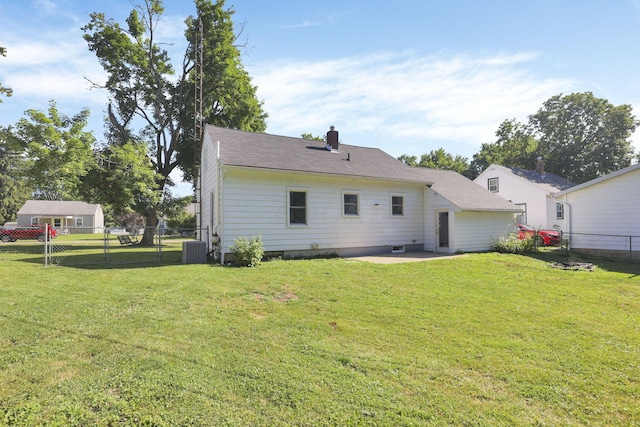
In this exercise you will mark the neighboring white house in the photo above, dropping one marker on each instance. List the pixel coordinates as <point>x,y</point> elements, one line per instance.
<point>306,198</point>
<point>603,215</point>
<point>74,217</point>
<point>531,190</point>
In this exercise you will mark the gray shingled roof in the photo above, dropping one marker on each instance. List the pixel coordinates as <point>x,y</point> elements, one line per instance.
<point>57,208</point>
<point>463,192</point>
<point>260,150</point>
<point>550,182</point>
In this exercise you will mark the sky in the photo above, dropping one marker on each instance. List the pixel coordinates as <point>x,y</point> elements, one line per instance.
<point>408,76</point>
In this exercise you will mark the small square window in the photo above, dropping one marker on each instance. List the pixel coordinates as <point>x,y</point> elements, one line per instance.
<point>492,185</point>
<point>397,205</point>
<point>79,222</point>
<point>350,204</point>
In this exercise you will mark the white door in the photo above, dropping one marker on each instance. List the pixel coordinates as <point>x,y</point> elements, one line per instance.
<point>442,231</point>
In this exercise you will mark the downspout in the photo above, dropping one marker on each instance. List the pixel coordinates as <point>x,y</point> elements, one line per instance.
<point>219,228</point>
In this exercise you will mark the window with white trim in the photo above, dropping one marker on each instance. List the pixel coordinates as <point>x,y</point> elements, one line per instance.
<point>492,185</point>
<point>559,211</point>
<point>397,205</point>
<point>297,202</point>
<point>35,221</point>
<point>79,222</point>
<point>57,222</point>
<point>350,203</point>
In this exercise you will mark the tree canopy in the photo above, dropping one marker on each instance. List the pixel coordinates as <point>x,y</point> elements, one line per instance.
<point>13,191</point>
<point>580,137</point>
<point>4,90</point>
<point>58,152</point>
<point>154,104</point>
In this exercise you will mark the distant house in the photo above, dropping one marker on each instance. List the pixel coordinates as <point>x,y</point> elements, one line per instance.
<point>306,198</point>
<point>531,190</point>
<point>74,217</point>
<point>603,214</point>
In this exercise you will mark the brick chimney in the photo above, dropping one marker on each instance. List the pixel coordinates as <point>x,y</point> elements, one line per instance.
<point>540,166</point>
<point>332,138</point>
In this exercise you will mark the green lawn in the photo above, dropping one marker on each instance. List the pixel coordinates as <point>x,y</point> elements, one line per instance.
<point>483,340</point>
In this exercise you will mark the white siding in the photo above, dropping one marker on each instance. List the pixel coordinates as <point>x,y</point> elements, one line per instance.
<point>255,204</point>
<point>519,191</point>
<point>209,185</point>
<point>478,231</point>
<point>611,207</point>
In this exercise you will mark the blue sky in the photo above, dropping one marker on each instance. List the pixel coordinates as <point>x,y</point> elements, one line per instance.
<point>407,76</point>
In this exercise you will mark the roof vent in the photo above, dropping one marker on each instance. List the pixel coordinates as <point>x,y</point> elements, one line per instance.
<point>332,138</point>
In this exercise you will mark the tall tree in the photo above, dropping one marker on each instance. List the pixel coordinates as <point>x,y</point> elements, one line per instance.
<point>13,190</point>
<point>438,159</point>
<point>515,146</point>
<point>153,103</point>
<point>59,152</point>
<point>4,90</point>
<point>582,137</point>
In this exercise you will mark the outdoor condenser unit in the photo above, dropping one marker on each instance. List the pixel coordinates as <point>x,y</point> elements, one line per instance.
<point>194,252</point>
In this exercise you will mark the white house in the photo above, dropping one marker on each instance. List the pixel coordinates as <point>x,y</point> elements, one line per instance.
<point>531,190</point>
<point>603,215</point>
<point>306,198</point>
<point>74,217</point>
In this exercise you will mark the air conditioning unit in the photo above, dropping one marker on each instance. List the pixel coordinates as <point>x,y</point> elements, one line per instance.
<point>194,252</point>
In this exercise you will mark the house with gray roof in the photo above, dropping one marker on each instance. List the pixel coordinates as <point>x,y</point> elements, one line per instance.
<point>602,214</point>
<point>531,190</point>
<point>311,198</point>
<point>65,216</point>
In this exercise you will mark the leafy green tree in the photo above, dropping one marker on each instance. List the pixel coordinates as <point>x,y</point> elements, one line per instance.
<point>515,146</point>
<point>58,152</point>
<point>582,137</point>
<point>409,160</point>
<point>13,190</point>
<point>313,137</point>
<point>154,104</point>
<point>438,159</point>
<point>4,90</point>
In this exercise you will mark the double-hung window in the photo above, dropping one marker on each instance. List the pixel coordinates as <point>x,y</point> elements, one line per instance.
<point>397,205</point>
<point>297,207</point>
<point>492,185</point>
<point>350,204</point>
<point>559,211</point>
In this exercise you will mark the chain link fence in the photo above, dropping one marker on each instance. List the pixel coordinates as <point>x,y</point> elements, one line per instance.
<point>623,247</point>
<point>84,248</point>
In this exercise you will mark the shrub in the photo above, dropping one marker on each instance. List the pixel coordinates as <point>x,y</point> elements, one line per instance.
<point>512,245</point>
<point>247,253</point>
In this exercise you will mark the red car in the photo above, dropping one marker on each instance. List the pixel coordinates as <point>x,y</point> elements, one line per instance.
<point>543,237</point>
<point>26,232</point>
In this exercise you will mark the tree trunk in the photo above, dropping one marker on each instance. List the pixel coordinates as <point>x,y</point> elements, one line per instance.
<point>151,224</point>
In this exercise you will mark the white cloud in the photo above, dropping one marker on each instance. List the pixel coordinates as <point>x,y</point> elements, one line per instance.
<point>411,99</point>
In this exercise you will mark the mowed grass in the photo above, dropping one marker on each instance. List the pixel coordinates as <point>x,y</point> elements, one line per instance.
<point>483,340</point>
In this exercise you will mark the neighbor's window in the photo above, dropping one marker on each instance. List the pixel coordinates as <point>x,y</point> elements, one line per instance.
<point>35,221</point>
<point>350,204</point>
<point>559,211</point>
<point>57,222</point>
<point>492,185</point>
<point>79,222</point>
<point>397,205</point>
<point>297,207</point>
